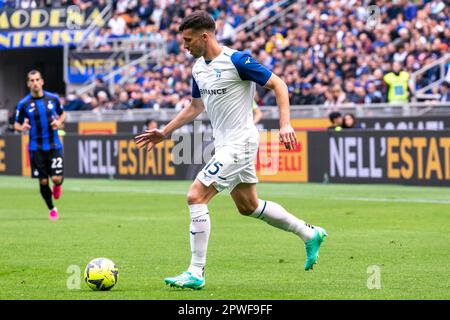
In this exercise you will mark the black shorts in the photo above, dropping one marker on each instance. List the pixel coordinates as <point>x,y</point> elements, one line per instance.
<point>46,163</point>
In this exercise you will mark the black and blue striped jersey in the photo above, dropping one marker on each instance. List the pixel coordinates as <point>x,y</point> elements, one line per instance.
<point>41,112</point>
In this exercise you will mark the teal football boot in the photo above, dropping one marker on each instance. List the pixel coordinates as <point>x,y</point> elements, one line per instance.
<point>312,247</point>
<point>185,280</point>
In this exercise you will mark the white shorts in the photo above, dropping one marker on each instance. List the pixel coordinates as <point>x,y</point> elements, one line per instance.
<point>229,167</point>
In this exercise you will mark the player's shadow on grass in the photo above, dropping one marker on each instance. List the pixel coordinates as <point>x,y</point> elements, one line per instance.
<point>101,294</point>
<point>173,290</point>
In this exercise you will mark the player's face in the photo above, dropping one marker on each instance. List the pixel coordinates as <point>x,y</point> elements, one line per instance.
<point>35,82</point>
<point>194,42</point>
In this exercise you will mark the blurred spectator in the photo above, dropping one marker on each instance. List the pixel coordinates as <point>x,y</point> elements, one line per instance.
<point>373,95</point>
<point>89,103</point>
<point>225,33</point>
<point>318,94</point>
<point>360,94</point>
<point>101,87</point>
<point>103,101</point>
<point>182,103</point>
<point>351,95</point>
<point>118,25</point>
<point>445,92</point>
<point>122,103</point>
<point>155,17</point>
<point>335,96</point>
<point>135,101</point>
<point>336,121</point>
<point>11,120</point>
<point>85,4</point>
<point>29,4</point>
<point>124,6</point>
<point>306,97</point>
<point>397,80</point>
<point>151,124</point>
<point>73,103</point>
<point>349,122</point>
<point>145,10</point>
<point>147,101</point>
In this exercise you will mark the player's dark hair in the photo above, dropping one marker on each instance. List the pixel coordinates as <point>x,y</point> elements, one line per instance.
<point>198,20</point>
<point>33,72</point>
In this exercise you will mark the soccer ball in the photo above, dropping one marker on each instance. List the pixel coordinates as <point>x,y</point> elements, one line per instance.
<point>101,274</point>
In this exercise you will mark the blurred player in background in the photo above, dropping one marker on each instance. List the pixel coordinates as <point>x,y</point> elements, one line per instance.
<point>224,86</point>
<point>42,114</point>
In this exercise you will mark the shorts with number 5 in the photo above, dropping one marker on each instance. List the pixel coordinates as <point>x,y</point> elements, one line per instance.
<point>46,163</point>
<point>229,167</point>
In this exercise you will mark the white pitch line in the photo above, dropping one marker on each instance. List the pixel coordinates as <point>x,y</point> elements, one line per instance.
<point>120,190</point>
<point>394,200</point>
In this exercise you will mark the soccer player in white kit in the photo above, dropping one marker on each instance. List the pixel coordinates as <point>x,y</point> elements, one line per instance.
<point>224,85</point>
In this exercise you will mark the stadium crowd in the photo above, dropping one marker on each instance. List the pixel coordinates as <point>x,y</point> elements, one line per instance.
<point>328,52</point>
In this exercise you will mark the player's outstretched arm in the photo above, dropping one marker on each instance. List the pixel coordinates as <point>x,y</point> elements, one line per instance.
<point>154,136</point>
<point>287,133</point>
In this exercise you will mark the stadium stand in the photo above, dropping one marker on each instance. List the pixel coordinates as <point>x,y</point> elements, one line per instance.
<point>328,52</point>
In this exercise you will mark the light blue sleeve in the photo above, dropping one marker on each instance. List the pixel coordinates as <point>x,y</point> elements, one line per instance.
<point>250,69</point>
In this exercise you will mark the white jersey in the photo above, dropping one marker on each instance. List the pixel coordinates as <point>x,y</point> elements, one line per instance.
<point>226,86</point>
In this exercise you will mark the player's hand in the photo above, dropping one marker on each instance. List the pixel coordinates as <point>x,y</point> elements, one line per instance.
<point>149,138</point>
<point>288,137</point>
<point>55,124</point>
<point>26,125</point>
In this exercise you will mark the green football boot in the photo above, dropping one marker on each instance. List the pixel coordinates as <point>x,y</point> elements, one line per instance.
<point>312,247</point>
<point>185,280</point>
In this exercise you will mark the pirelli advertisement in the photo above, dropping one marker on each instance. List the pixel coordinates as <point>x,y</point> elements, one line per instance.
<point>403,157</point>
<point>275,163</point>
<point>354,156</point>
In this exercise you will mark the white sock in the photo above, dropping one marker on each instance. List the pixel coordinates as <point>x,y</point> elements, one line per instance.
<point>199,234</point>
<point>277,216</point>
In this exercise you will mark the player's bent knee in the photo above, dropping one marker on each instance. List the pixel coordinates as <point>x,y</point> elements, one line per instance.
<point>194,198</point>
<point>57,180</point>
<point>200,194</point>
<point>43,182</point>
<point>247,209</point>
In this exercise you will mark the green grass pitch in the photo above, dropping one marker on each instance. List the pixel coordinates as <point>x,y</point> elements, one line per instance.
<point>143,227</point>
